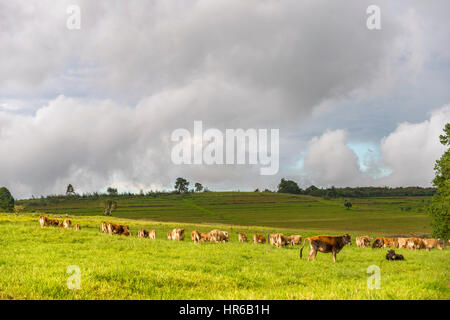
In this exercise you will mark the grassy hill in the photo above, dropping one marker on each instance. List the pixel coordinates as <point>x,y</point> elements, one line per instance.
<point>34,265</point>
<point>371,215</point>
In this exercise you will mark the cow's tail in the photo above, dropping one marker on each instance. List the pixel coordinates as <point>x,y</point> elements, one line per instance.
<point>301,249</point>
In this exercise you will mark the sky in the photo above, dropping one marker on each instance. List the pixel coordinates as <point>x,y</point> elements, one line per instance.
<point>96,106</point>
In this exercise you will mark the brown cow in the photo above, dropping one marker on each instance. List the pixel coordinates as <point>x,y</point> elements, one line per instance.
<point>194,235</point>
<point>76,227</point>
<point>281,240</point>
<point>44,221</point>
<point>432,243</point>
<point>272,238</point>
<point>118,229</point>
<point>402,243</point>
<point>152,234</point>
<point>242,237</point>
<point>142,233</point>
<point>176,234</point>
<point>294,239</point>
<point>197,237</point>
<point>66,224</point>
<point>218,236</point>
<point>326,244</point>
<point>385,242</point>
<point>363,241</point>
<point>259,238</point>
<point>415,243</point>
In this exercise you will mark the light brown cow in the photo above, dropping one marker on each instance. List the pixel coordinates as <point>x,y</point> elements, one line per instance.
<point>195,235</point>
<point>259,238</point>
<point>44,221</point>
<point>152,234</point>
<point>66,224</point>
<point>294,239</point>
<point>432,243</point>
<point>415,244</point>
<point>176,234</point>
<point>142,233</point>
<point>104,226</point>
<point>326,244</point>
<point>242,237</point>
<point>272,238</point>
<point>385,243</point>
<point>402,243</point>
<point>281,240</point>
<point>363,241</point>
<point>76,227</point>
<point>218,236</point>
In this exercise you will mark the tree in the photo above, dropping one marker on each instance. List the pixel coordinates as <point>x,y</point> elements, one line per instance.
<point>198,187</point>
<point>109,206</point>
<point>181,185</point>
<point>439,208</point>
<point>288,186</point>
<point>6,200</point>
<point>70,189</point>
<point>112,191</point>
<point>347,204</point>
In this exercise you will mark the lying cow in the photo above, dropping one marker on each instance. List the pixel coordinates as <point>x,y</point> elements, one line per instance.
<point>176,234</point>
<point>391,255</point>
<point>76,227</point>
<point>44,221</point>
<point>259,238</point>
<point>326,244</point>
<point>363,241</point>
<point>242,237</point>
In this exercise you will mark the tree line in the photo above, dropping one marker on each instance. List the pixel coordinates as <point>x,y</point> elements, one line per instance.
<point>290,186</point>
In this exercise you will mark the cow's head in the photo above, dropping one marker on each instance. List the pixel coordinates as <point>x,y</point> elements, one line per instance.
<point>347,239</point>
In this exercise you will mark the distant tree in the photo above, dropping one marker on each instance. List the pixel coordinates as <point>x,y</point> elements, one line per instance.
<point>109,207</point>
<point>256,190</point>
<point>112,191</point>
<point>288,186</point>
<point>198,187</point>
<point>347,204</point>
<point>6,200</point>
<point>181,185</point>
<point>70,190</point>
<point>439,207</point>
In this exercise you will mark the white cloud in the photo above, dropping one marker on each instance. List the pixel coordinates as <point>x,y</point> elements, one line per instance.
<point>409,153</point>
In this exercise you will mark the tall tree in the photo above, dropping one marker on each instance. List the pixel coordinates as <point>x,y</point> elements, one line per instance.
<point>439,208</point>
<point>109,206</point>
<point>288,186</point>
<point>6,200</point>
<point>181,185</point>
<point>198,187</point>
<point>70,189</point>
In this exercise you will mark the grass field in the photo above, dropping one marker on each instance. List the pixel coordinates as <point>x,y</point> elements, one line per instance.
<point>34,261</point>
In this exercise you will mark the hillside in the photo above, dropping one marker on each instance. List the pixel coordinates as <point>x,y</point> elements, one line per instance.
<point>389,215</point>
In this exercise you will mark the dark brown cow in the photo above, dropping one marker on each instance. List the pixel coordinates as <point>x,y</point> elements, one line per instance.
<point>259,238</point>
<point>44,221</point>
<point>326,244</point>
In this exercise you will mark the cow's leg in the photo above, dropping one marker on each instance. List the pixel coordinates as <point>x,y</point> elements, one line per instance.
<point>334,255</point>
<point>311,252</point>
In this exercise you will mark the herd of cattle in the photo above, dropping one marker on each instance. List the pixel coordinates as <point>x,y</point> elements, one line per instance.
<point>325,244</point>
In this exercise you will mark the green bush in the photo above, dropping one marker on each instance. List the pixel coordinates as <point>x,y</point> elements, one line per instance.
<point>6,200</point>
